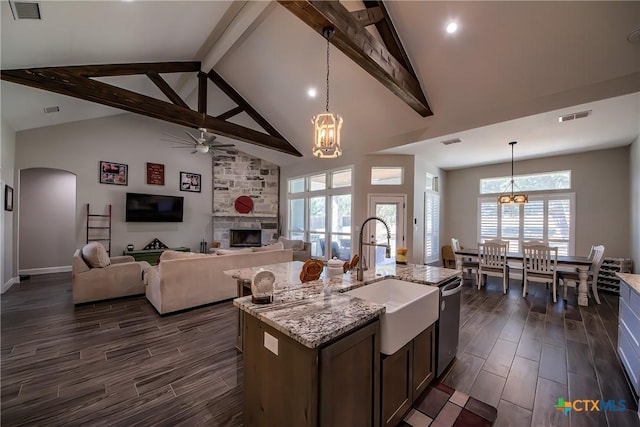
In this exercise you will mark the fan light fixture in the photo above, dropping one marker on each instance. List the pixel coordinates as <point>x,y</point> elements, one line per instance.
<point>327,126</point>
<point>518,199</point>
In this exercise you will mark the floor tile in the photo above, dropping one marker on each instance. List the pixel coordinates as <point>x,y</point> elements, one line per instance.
<point>417,419</point>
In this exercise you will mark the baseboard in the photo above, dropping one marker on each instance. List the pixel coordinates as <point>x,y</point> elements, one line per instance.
<point>5,286</point>
<point>45,270</point>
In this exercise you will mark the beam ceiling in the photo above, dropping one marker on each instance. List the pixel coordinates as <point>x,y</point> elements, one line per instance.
<point>76,81</point>
<point>386,61</point>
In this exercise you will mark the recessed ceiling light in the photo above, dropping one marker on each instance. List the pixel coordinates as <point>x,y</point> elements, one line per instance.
<point>452,27</point>
<point>312,92</point>
<point>634,36</point>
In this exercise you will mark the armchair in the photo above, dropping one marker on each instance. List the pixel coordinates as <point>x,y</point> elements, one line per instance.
<point>120,276</point>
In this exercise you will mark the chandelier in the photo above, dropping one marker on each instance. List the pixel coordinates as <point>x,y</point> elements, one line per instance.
<point>327,126</point>
<point>518,199</point>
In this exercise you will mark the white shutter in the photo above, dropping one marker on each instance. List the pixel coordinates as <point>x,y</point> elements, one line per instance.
<point>488,219</point>
<point>431,227</point>
<point>559,220</point>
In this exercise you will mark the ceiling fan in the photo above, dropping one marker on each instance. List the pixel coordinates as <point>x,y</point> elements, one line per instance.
<point>203,144</point>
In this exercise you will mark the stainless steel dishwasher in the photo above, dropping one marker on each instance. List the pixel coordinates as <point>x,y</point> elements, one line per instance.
<point>448,324</point>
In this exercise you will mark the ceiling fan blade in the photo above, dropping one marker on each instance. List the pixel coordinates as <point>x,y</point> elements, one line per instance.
<point>197,141</point>
<point>194,151</point>
<point>183,146</point>
<point>178,138</point>
<point>221,146</point>
<point>190,144</point>
<point>210,140</point>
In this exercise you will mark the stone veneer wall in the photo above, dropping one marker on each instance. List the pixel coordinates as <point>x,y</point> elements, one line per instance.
<point>238,174</point>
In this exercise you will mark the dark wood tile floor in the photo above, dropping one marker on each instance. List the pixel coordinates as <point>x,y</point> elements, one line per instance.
<point>521,354</point>
<point>119,363</point>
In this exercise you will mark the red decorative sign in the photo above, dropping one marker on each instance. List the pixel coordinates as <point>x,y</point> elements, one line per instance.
<point>243,204</point>
<point>155,174</point>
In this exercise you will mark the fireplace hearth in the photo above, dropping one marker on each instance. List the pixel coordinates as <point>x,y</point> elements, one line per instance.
<point>245,238</point>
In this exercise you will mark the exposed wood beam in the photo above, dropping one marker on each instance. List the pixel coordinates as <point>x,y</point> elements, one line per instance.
<point>238,99</point>
<point>202,92</point>
<point>134,68</point>
<point>362,47</point>
<point>231,113</point>
<point>389,35</point>
<point>166,89</point>
<point>60,80</point>
<point>368,16</point>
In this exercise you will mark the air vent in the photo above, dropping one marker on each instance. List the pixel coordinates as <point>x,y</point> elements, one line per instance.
<point>451,141</point>
<point>574,116</point>
<point>25,9</point>
<point>49,110</point>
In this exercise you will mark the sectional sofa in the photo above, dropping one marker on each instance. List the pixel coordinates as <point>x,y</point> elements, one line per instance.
<point>184,280</point>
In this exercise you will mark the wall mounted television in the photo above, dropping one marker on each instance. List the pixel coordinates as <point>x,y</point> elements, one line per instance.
<point>153,208</point>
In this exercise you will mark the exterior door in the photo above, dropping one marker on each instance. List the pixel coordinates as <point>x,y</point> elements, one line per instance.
<point>391,209</point>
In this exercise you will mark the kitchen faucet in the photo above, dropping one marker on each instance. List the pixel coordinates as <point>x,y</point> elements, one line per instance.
<point>360,270</point>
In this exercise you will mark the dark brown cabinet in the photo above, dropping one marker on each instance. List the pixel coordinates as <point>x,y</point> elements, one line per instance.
<point>288,384</point>
<point>405,375</point>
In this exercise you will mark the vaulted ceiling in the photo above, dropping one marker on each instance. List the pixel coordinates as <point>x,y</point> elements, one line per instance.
<point>506,74</point>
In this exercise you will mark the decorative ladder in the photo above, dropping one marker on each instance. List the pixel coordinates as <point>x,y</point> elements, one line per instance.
<point>99,228</point>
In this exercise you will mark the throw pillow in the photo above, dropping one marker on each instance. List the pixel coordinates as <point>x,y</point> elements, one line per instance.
<point>95,255</point>
<point>234,251</point>
<point>296,245</point>
<point>273,247</point>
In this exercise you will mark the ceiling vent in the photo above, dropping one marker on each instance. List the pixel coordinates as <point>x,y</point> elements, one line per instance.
<point>451,141</point>
<point>49,110</point>
<point>25,9</point>
<point>574,116</point>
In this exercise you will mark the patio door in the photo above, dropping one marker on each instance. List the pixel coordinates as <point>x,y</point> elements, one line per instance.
<point>391,209</point>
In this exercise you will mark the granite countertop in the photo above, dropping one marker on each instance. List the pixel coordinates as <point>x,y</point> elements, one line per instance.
<point>632,280</point>
<point>316,312</point>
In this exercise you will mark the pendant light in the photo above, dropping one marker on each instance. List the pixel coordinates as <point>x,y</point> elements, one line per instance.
<point>518,199</point>
<point>327,126</point>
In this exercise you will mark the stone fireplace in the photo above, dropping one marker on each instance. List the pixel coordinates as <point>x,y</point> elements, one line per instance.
<point>238,174</point>
<point>245,238</point>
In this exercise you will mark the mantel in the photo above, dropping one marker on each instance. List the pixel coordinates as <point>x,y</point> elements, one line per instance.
<point>249,215</point>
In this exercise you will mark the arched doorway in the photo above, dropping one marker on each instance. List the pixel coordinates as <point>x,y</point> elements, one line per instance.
<point>46,221</point>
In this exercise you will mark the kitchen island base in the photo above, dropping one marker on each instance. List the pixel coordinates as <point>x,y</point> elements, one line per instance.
<point>288,384</point>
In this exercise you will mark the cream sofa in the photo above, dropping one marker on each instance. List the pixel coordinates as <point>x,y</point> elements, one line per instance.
<point>95,276</point>
<point>184,280</point>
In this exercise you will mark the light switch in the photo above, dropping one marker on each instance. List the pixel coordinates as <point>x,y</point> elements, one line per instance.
<point>271,343</point>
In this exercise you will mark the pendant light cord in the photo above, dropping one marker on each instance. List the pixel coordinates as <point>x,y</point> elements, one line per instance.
<point>327,105</point>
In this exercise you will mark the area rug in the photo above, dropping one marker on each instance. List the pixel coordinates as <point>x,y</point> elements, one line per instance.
<point>442,406</point>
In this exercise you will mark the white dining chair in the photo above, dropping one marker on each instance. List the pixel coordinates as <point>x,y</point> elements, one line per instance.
<point>565,278</point>
<point>467,264</point>
<point>540,263</point>
<point>492,258</point>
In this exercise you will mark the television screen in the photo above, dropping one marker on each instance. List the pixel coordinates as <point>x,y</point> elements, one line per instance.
<point>153,208</point>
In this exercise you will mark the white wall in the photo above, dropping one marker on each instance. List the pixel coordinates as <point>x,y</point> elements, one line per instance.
<point>8,269</point>
<point>133,140</point>
<point>634,157</point>
<point>598,178</point>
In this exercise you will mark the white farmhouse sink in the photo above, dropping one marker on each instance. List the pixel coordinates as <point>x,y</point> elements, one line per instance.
<point>410,309</point>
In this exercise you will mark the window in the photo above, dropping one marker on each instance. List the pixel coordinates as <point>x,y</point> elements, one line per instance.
<point>319,208</point>
<point>431,220</point>
<point>560,180</point>
<point>547,217</point>
<point>387,176</point>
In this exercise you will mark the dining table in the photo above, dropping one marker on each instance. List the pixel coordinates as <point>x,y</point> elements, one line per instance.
<point>568,263</point>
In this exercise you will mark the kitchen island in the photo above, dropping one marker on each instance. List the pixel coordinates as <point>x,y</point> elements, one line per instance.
<point>312,356</point>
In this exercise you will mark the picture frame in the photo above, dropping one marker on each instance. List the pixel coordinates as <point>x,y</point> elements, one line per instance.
<point>155,174</point>
<point>113,173</point>
<point>190,181</point>
<point>8,198</point>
